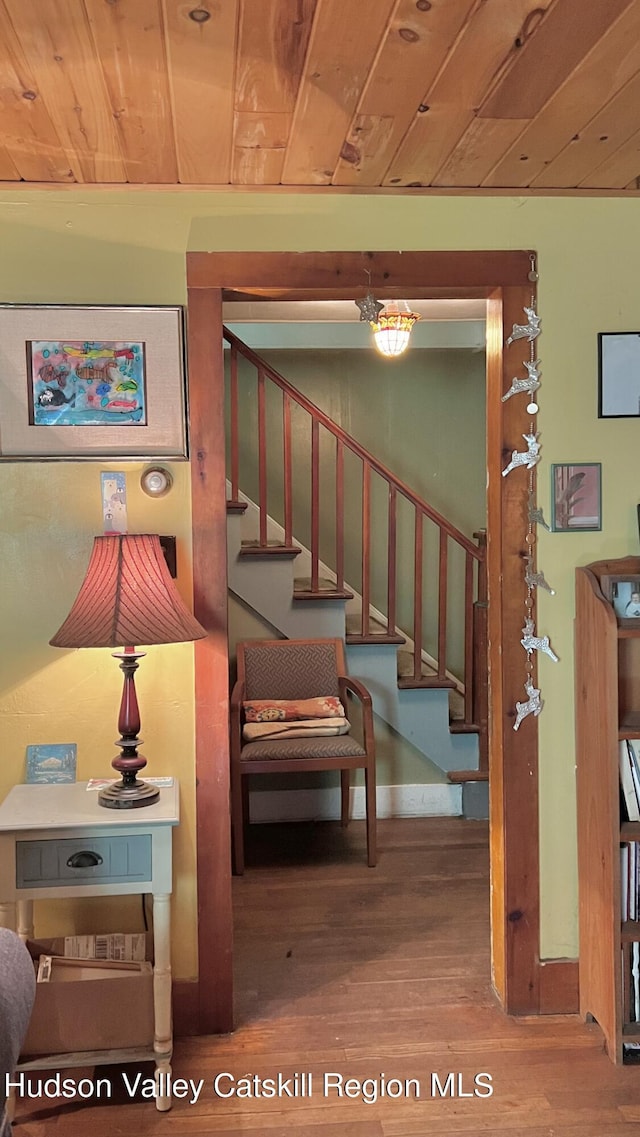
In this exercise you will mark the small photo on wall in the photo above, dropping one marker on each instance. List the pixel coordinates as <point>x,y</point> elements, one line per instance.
<point>576,497</point>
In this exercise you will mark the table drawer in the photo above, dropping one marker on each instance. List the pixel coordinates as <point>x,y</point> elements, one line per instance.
<point>107,860</point>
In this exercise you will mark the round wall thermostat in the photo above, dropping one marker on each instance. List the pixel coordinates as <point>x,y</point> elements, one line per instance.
<point>156,481</point>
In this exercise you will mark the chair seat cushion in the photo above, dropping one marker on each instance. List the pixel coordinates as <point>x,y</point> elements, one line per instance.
<point>337,746</point>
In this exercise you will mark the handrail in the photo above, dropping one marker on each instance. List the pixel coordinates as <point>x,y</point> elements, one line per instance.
<point>412,599</point>
<point>338,432</point>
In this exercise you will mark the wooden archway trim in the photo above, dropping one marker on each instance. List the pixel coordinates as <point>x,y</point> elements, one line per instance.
<point>501,278</point>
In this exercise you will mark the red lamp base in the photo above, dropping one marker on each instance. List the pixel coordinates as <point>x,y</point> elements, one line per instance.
<point>134,795</point>
<point>129,792</point>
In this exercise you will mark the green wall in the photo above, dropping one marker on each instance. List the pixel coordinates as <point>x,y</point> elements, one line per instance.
<point>128,247</point>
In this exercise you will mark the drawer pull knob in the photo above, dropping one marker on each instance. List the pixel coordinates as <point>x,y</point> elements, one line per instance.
<point>84,860</point>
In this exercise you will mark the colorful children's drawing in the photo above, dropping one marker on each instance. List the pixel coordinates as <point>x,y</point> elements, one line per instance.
<point>86,383</point>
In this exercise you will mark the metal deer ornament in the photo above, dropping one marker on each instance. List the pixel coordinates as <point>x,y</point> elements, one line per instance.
<point>531,642</point>
<point>536,579</point>
<point>528,385</point>
<point>536,515</point>
<point>528,458</point>
<point>527,331</point>
<point>533,705</point>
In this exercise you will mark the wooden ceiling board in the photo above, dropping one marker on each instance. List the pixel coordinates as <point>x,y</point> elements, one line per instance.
<point>201,66</point>
<point>259,145</point>
<point>56,41</point>
<point>483,49</point>
<point>129,39</point>
<point>8,172</point>
<point>607,132</point>
<point>611,63</point>
<point>416,45</point>
<point>32,147</point>
<point>484,140</point>
<point>564,36</point>
<point>272,47</point>
<point>344,41</point>
<point>618,170</point>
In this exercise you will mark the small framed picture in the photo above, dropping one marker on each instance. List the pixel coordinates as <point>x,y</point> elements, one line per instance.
<point>576,497</point>
<point>623,593</point>
<point>619,375</point>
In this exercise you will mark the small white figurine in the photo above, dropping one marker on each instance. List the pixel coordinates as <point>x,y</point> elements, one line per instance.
<point>533,705</point>
<point>527,331</point>
<point>528,459</point>
<point>530,384</point>
<point>531,642</point>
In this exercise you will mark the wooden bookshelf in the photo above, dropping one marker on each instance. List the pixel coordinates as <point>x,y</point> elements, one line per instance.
<point>607,675</point>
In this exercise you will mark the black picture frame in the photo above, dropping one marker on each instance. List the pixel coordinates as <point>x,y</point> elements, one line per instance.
<point>618,374</point>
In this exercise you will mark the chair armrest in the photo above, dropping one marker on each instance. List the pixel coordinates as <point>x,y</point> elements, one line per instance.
<point>348,683</point>
<point>235,717</point>
<point>356,687</point>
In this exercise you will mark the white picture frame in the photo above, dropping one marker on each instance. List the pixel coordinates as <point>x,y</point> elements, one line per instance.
<point>619,375</point>
<point>92,382</point>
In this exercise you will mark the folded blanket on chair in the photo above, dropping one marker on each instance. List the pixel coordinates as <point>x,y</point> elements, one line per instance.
<point>288,710</point>
<point>301,728</point>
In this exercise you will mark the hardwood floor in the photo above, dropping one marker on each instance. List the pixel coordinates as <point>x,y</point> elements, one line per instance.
<point>372,975</point>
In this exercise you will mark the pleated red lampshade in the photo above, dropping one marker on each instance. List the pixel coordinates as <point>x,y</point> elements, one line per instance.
<point>127,597</point>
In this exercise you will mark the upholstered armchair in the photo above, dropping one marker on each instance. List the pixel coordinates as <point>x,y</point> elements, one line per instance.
<point>275,679</point>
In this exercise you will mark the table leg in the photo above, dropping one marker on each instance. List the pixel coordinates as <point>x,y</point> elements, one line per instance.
<point>163,1035</point>
<point>8,915</point>
<point>25,919</point>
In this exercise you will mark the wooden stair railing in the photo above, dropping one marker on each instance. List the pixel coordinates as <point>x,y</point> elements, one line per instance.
<point>431,626</point>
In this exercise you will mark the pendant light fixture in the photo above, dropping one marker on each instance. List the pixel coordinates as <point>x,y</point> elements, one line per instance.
<point>392,328</point>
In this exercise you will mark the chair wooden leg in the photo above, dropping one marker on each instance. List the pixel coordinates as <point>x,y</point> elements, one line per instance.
<point>246,808</point>
<point>344,797</point>
<point>370,793</point>
<point>237,821</point>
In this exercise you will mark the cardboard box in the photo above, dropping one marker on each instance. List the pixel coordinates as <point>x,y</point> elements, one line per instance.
<point>111,945</point>
<point>91,1005</point>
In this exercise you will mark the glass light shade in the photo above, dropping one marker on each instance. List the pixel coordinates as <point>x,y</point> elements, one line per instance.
<point>392,330</point>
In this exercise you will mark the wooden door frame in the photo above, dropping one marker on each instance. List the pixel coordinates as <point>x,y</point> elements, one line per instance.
<point>502,279</point>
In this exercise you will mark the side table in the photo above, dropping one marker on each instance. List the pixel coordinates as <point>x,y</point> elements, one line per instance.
<point>57,842</point>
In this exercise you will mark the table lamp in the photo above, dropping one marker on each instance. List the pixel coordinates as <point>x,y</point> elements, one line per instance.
<point>128,597</point>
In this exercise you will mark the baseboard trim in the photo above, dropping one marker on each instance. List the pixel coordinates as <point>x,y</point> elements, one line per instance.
<point>436,800</point>
<point>186,1007</point>
<point>559,987</point>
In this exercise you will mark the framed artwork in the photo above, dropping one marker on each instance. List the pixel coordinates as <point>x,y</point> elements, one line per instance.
<point>91,382</point>
<point>623,593</point>
<point>52,762</point>
<point>619,375</point>
<point>576,497</point>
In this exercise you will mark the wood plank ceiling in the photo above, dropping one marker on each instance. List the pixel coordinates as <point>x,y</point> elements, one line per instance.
<point>465,94</point>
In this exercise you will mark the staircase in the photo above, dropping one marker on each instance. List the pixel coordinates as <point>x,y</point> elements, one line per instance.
<point>439,708</point>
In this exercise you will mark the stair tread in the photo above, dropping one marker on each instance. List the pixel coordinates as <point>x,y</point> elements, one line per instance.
<point>321,594</point>
<point>234,506</point>
<point>376,633</point>
<point>458,726</point>
<point>271,549</point>
<point>374,638</point>
<point>409,682</point>
<point>326,589</point>
<point>468,776</point>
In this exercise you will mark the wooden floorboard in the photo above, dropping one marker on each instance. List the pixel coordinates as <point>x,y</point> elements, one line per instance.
<point>369,973</point>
